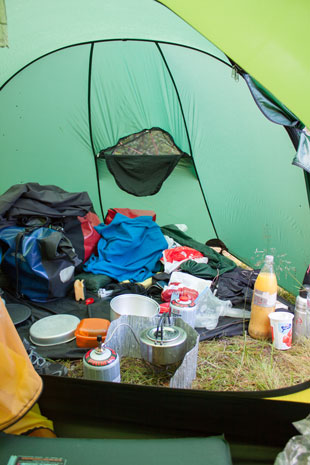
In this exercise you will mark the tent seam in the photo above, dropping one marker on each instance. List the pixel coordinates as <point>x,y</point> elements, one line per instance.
<point>90,123</point>
<point>187,134</point>
<point>110,40</point>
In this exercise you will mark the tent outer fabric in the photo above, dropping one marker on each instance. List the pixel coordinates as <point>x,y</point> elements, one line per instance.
<point>72,88</point>
<point>78,77</point>
<point>270,40</point>
<point>45,26</point>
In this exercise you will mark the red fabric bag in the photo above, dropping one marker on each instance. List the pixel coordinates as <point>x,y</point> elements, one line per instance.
<point>129,212</point>
<point>90,235</point>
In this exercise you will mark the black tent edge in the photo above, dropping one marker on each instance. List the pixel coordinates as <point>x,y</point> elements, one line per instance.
<point>242,417</point>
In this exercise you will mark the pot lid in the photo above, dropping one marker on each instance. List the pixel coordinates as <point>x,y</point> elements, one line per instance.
<point>52,330</point>
<point>18,313</point>
<point>170,334</point>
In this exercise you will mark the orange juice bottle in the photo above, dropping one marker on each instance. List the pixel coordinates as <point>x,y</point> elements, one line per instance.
<point>263,301</point>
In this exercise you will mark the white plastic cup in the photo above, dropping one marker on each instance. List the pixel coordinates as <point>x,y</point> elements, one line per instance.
<point>281,329</point>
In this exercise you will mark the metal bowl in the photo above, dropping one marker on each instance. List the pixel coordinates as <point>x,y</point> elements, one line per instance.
<point>133,304</point>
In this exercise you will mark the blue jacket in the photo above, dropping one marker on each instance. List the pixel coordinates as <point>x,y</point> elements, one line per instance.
<point>129,249</point>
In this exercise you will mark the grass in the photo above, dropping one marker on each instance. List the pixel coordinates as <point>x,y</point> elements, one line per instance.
<point>133,371</point>
<point>136,371</point>
<point>245,364</point>
<point>239,363</point>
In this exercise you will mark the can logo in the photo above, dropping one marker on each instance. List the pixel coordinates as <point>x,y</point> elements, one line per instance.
<point>285,328</point>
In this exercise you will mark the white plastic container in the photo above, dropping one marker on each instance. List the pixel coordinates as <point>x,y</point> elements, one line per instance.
<point>281,329</point>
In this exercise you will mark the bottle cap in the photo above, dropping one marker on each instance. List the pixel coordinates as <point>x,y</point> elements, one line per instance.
<point>269,258</point>
<point>304,291</point>
<point>300,303</point>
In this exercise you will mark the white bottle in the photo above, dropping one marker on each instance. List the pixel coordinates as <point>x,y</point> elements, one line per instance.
<point>300,318</point>
<point>308,313</point>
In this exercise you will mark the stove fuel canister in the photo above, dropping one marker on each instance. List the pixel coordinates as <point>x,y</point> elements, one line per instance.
<point>102,364</point>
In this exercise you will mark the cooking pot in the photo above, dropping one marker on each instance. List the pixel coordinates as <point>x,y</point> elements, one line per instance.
<point>133,304</point>
<point>163,346</point>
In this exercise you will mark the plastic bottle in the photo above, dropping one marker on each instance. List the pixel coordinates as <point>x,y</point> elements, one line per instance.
<point>263,301</point>
<point>308,312</point>
<point>300,318</point>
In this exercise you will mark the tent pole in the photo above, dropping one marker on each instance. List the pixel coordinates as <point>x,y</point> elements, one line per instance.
<point>187,135</point>
<point>90,123</point>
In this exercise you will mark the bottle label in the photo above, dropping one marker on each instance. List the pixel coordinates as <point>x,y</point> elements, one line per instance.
<point>264,299</point>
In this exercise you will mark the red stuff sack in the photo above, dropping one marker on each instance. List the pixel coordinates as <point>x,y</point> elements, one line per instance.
<point>90,235</point>
<point>80,230</point>
<point>129,212</point>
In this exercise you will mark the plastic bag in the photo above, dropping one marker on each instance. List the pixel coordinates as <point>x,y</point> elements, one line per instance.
<point>185,284</point>
<point>209,309</point>
<point>180,289</point>
<point>297,450</point>
<point>173,257</point>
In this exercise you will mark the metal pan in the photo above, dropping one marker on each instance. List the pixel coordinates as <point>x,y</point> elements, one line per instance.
<point>52,330</point>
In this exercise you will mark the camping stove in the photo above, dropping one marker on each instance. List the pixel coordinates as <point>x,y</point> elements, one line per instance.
<point>102,364</point>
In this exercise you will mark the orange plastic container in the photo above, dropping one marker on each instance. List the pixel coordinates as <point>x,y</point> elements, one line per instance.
<point>88,329</point>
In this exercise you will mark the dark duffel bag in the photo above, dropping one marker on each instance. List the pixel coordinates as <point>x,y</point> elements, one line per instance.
<point>39,261</point>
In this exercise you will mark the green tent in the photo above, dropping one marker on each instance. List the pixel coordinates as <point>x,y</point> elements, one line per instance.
<point>269,39</point>
<point>75,81</point>
<point>79,76</point>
